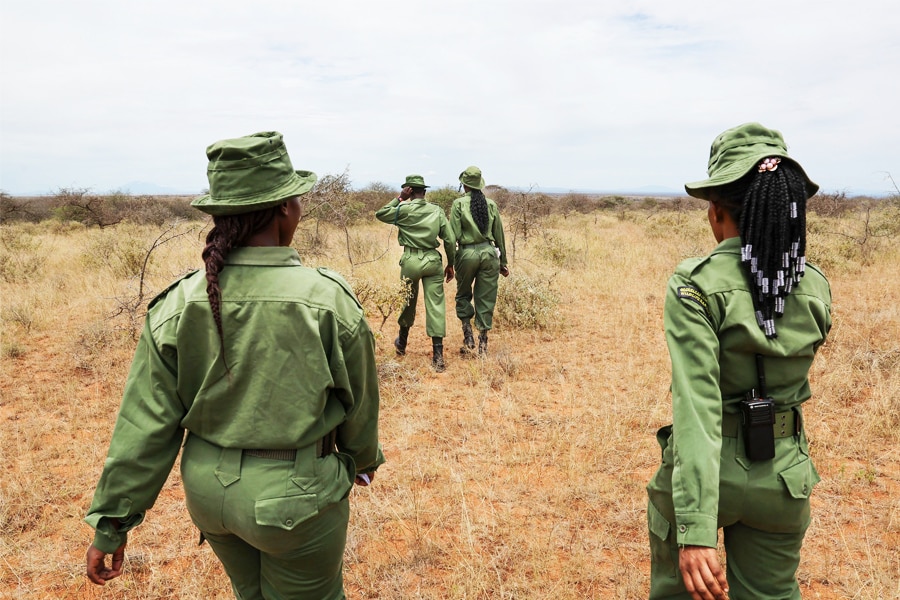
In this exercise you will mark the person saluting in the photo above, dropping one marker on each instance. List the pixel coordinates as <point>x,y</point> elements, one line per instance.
<point>420,224</point>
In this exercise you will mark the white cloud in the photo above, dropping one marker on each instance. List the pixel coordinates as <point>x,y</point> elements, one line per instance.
<point>577,95</point>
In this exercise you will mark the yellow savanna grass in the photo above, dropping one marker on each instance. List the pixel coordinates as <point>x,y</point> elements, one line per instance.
<point>518,476</point>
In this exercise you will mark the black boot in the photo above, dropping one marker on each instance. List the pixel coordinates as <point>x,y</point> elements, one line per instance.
<point>437,361</point>
<point>482,342</point>
<point>400,342</point>
<point>468,338</point>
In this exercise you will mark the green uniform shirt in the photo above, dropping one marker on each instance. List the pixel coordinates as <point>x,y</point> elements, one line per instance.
<point>302,361</point>
<point>467,232</point>
<point>421,223</point>
<point>713,339</point>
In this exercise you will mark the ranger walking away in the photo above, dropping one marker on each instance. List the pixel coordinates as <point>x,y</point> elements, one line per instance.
<point>420,224</point>
<point>269,367</point>
<point>742,327</point>
<point>481,258</point>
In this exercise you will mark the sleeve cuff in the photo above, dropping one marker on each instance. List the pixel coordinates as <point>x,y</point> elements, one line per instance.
<point>109,542</point>
<point>696,530</point>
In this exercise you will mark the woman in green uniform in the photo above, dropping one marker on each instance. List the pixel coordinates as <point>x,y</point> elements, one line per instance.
<point>480,259</point>
<point>420,224</point>
<point>269,367</point>
<point>742,327</point>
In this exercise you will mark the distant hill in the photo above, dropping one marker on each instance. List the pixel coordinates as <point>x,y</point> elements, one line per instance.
<point>648,190</point>
<point>145,188</point>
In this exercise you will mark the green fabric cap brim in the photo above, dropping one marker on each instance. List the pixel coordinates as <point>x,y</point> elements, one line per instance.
<point>739,168</point>
<point>299,184</point>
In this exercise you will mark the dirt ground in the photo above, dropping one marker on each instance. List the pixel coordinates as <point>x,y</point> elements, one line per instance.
<point>520,475</point>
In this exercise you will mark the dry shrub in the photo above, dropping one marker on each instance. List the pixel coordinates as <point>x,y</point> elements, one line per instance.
<point>519,475</point>
<point>526,302</point>
<point>379,297</point>
<point>22,254</point>
<point>557,251</point>
<point>122,250</point>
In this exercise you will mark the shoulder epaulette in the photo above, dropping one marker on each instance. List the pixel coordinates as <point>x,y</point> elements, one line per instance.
<point>336,277</point>
<point>817,270</point>
<point>169,287</point>
<point>690,265</point>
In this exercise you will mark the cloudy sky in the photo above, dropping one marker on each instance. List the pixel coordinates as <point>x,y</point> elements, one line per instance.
<point>577,95</point>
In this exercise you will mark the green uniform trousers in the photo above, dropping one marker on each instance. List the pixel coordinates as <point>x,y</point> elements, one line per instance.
<point>763,512</point>
<point>278,526</point>
<point>424,265</point>
<point>477,273</point>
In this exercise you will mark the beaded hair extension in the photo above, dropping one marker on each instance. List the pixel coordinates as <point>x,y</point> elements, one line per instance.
<point>228,232</point>
<point>479,210</point>
<point>769,205</point>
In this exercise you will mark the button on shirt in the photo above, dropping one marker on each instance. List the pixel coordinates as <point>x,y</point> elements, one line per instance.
<point>713,338</point>
<point>301,360</point>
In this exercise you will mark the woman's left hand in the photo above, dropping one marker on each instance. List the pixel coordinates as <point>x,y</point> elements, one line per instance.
<point>97,571</point>
<point>702,573</point>
<point>504,270</point>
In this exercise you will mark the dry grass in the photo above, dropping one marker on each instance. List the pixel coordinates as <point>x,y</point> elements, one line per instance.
<point>518,476</point>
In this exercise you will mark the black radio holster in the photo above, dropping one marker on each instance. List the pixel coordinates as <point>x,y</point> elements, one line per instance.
<point>758,419</point>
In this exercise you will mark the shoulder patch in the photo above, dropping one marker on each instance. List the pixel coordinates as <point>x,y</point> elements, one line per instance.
<point>335,277</point>
<point>687,292</point>
<point>168,288</point>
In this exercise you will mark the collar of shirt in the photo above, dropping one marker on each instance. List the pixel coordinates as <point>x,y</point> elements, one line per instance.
<point>270,256</point>
<point>731,245</point>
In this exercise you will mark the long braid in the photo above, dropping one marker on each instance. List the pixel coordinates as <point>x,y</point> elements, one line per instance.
<point>479,209</point>
<point>770,209</point>
<point>228,232</point>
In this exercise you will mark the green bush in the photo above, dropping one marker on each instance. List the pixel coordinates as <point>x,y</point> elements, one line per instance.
<point>372,197</point>
<point>443,197</point>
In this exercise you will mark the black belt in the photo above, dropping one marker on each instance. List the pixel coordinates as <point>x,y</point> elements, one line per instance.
<point>787,424</point>
<point>290,454</point>
<point>475,245</point>
<point>324,447</point>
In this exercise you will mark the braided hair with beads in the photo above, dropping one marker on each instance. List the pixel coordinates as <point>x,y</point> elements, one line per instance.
<point>769,206</point>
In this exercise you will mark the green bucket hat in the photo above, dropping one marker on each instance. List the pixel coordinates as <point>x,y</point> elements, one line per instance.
<point>472,178</point>
<point>737,151</point>
<point>414,181</point>
<point>251,173</point>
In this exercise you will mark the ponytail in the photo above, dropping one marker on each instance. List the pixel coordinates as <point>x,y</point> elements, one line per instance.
<point>479,210</point>
<point>769,206</point>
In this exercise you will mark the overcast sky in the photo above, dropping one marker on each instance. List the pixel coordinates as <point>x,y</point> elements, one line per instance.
<point>579,95</point>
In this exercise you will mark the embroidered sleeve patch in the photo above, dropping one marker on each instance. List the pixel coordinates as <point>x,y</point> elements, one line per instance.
<point>686,292</point>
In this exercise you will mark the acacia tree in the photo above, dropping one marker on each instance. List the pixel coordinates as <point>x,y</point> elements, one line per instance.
<point>78,204</point>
